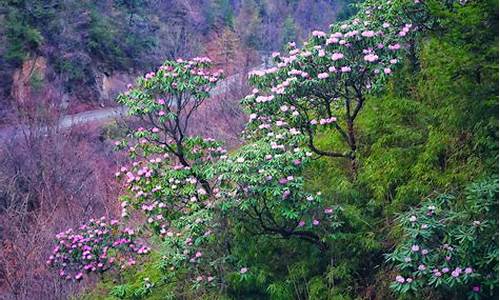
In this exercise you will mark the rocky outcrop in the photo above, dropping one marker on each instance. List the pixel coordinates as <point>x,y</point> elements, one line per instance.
<point>36,77</point>
<point>28,79</point>
<point>114,84</point>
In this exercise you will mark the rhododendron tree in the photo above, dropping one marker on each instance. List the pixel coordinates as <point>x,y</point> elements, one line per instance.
<point>171,169</point>
<point>164,189</point>
<point>263,188</point>
<point>95,247</point>
<point>235,223</point>
<point>449,246</point>
<point>171,178</point>
<point>325,84</point>
<point>165,101</point>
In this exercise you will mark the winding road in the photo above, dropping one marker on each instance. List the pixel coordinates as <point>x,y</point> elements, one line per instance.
<point>106,114</point>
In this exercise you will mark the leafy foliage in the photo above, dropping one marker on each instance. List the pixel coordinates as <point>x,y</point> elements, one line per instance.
<point>451,245</point>
<point>406,208</point>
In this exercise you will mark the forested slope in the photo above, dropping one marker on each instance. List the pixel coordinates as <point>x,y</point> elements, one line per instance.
<point>368,170</point>
<point>86,51</point>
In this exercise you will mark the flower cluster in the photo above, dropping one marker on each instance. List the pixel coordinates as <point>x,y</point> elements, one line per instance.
<point>171,179</point>
<point>329,78</point>
<point>162,187</point>
<point>96,246</point>
<point>164,93</point>
<point>263,184</point>
<point>443,246</point>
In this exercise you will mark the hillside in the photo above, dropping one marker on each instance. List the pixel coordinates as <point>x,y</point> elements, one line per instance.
<point>85,53</point>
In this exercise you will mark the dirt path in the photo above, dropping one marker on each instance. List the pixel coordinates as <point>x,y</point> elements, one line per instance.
<point>106,114</point>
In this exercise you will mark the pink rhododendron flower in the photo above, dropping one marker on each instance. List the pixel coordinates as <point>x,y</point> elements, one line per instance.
<point>345,69</point>
<point>368,33</point>
<point>337,56</point>
<point>323,75</point>
<point>394,47</point>
<point>318,33</point>
<point>371,57</point>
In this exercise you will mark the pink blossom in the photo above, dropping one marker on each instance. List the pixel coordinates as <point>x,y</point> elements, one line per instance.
<point>387,70</point>
<point>318,33</point>
<point>415,248</point>
<point>243,270</point>
<point>345,69</point>
<point>400,279</point>
<point>368,33</point>
<point>337,56</point>
<point>394,47</point>
<point>323,75</point>
<point>315,222</point>
<point>371,57</point>
<point>332,40</point>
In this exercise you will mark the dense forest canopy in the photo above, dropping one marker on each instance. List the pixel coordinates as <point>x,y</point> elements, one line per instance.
<point>362,163</point>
